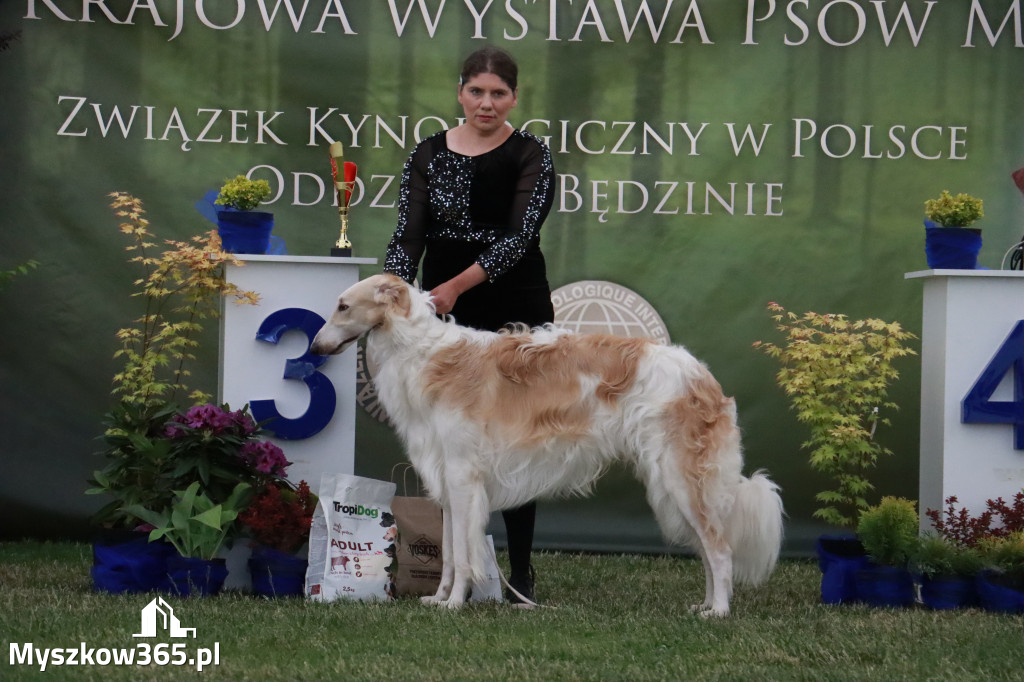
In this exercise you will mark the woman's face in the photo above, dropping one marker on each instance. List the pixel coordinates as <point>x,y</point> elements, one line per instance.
<point>486,99</point>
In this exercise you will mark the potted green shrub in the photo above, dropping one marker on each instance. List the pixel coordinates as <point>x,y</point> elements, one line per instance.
<point>1001,582</point>
<point>197,527</point>
<point>243,229</point>
<point>947,572</point>
<point>992,543</point>
<point>950,242</point>
<point>836,373</point>
<point>888,532</point>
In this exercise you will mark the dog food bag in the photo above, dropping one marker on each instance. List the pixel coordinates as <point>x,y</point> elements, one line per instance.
<point>352,540</point>
<point>420,533</point>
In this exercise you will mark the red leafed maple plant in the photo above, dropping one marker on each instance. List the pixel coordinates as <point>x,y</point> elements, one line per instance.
<point>279,517</point>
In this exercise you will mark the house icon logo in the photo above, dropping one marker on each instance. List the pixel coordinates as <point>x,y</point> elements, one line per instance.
<point>159,613</point>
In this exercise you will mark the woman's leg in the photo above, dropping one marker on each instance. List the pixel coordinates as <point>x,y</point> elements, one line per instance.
<point>519,524</point>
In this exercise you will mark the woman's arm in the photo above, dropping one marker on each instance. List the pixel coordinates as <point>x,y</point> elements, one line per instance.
<point>534,194</point>
<point>409,240</point>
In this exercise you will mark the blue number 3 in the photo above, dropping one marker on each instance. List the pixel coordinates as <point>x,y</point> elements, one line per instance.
<point>978,406</point>
<point>322,397</point>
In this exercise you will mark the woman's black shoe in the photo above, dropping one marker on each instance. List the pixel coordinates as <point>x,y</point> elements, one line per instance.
<point>522,584</point>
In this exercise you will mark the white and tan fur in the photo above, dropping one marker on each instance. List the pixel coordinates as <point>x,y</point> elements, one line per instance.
<point>492,421</point>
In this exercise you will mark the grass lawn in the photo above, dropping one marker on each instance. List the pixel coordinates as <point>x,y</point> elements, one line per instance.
<point>613,618</point>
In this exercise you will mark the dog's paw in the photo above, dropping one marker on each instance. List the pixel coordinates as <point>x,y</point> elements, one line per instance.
<point>699,608</point>
<point>715,613</point>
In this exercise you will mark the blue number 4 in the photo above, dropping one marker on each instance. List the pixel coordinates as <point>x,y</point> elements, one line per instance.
<point>978,406</point>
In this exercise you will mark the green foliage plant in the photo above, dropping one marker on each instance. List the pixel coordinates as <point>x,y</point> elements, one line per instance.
<point>936,556</point>
<point>953,211</point>
<point>181,287</point>
<point>836,373</point>
<point>888,531</point>
<point>243,194</point>
<point>195,524</point>
<point>1005,557</point>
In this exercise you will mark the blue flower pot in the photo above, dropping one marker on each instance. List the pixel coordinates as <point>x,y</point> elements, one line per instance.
<point>127,562</point>
<point>885,586</point>
<point>951,248</point>
<point>996,593</point>
<point>245,231</point>
<point>192,577</point>
<point>839,558</point>
<point>276,574</point>
<point>944,592</point>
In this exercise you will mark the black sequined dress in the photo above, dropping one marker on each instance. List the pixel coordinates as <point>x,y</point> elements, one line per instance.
<point>457,210</point>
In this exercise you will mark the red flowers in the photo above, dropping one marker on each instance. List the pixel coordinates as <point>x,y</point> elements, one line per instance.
<point>280,518</point>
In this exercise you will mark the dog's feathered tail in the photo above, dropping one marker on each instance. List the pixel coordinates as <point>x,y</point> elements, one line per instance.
<point>755,529</point>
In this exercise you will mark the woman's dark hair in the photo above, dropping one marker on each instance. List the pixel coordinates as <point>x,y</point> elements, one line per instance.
<point>491,60</point>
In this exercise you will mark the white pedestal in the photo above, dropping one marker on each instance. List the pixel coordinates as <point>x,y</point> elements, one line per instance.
<point>968,316</point>
<point>320,435</point>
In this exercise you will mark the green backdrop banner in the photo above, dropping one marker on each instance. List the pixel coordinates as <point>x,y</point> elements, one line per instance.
<point>711,156</point>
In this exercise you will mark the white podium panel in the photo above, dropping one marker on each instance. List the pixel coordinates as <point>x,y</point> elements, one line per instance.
<point>971,350</point>
<point>265,363</point>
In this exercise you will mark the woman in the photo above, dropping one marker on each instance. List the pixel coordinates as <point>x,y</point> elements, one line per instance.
<point>472,202</point>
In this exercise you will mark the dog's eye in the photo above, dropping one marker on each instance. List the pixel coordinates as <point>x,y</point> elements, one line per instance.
<point>342,307</point>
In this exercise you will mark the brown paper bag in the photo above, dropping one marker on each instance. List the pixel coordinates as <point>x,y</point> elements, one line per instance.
<point>418,548</point>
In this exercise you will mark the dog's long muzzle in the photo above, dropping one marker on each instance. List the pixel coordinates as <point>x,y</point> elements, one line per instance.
<point>322,346</point>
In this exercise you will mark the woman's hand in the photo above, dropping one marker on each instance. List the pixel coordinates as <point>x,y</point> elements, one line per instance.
<point>445,294</point>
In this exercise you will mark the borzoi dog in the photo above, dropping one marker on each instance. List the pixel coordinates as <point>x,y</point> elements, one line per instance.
<point>492,421</point>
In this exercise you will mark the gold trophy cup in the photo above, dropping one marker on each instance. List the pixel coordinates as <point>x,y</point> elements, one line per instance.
<point>344,173</point>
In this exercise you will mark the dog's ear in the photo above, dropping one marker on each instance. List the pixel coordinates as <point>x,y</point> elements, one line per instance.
<point>394,294</point>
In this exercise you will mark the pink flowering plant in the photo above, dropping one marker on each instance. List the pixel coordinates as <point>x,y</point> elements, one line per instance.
<point>211,445</point>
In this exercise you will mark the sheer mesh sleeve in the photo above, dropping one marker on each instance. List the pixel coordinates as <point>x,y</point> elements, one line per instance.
<point>533,198</point>
<point>407,244</point>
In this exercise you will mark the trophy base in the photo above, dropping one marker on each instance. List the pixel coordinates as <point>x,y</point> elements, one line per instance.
<point>339,252</point>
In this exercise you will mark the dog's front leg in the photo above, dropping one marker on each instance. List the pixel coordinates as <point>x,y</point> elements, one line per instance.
<point>444,589</point>
<point>468,519</point>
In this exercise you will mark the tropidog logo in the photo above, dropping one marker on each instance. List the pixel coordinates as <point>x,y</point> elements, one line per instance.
<point>356,510</point>
<point>588,307</point>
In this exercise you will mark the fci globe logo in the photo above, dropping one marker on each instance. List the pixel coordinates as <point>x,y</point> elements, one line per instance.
<point>595,307</point>
<point>587,307</point>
